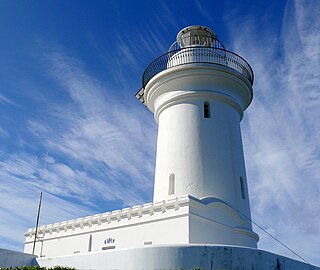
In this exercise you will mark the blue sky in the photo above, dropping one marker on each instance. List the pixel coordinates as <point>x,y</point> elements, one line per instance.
<point>68,74</point>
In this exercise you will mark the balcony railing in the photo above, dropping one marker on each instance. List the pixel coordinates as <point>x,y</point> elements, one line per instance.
<point>206,41</point>
<point>195,54</point>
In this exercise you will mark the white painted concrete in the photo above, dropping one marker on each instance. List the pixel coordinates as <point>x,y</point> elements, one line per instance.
<point>203,257</point>
<point>153,223</point>
<point>183,220</point>
<point>212,221</point>
<point>204,154</point>
<point>10,258</point>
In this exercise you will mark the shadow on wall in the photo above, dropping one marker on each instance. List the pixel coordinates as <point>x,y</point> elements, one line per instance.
<point>10,258</point>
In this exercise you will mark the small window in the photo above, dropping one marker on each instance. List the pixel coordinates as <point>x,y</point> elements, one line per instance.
<point>171,184</point>
<point>147,243</point>
<point>206,110</point>
<point>243,194</point>
<point>90,243</point>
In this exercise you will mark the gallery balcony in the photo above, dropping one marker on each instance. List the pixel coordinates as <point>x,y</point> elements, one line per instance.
<point>195,55</point>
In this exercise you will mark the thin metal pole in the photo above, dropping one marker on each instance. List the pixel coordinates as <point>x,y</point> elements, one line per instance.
<point>37,224</point>
<point>40,202</point>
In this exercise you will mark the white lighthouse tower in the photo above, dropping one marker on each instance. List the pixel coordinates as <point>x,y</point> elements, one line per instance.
<point>198,92</point>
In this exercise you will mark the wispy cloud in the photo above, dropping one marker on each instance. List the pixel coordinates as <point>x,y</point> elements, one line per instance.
<point>101,150</point>
<point>168,16</point>
<point>104,132</point>
<point>6,100</point>
<point>4,133</point>
<point>205,12</point>
<point>281,130</point>
<point>20,186</point>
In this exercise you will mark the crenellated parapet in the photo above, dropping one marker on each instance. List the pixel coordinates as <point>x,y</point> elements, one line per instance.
<point>125,214</point>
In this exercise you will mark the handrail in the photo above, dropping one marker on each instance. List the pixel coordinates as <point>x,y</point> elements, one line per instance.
<point>205,39</point>
<point>197,54</point>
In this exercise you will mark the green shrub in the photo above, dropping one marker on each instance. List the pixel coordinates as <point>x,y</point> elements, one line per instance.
<point>38,268</point>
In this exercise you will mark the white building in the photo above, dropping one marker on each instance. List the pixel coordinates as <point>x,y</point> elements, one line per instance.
<point>198,93</point>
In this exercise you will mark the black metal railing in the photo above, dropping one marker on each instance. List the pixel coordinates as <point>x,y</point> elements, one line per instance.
<point>198,54</point>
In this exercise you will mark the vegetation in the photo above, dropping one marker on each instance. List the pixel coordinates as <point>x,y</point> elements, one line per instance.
<point>65,268</point>
<point>38,268</point>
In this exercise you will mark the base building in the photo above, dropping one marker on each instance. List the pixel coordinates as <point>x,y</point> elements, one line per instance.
<point>184,220</point>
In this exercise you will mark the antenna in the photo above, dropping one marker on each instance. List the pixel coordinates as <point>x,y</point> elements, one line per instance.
<point>40,202</point>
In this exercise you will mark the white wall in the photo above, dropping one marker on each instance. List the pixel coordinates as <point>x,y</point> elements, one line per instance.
<point>10,258</point>
<point>205,257</point>
<point>204,154</point>
<point>148,224</point>
<point>212,221</point>
<point>182,220</point>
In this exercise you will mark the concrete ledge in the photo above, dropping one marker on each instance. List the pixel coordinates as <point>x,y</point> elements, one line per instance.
<point>10,258</point>
<point>179,257</point>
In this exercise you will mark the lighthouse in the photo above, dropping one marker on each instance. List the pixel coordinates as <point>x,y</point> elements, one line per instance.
<point>198,92</point>
<point>200,214</point>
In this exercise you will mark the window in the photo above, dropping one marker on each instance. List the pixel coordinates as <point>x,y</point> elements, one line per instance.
<point>171,184</point>
<point>90,243</point>
<point>206,110</point>
<point>243,194</point>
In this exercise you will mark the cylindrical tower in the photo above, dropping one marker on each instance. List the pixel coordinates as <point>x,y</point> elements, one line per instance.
<point>198,92</point>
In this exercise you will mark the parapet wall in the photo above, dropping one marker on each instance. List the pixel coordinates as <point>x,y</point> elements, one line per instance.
<point>178,221</point>
<point>151,223</point>
<point>116,216</point>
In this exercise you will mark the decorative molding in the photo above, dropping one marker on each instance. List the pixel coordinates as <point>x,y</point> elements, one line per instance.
<point>147,209</point>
